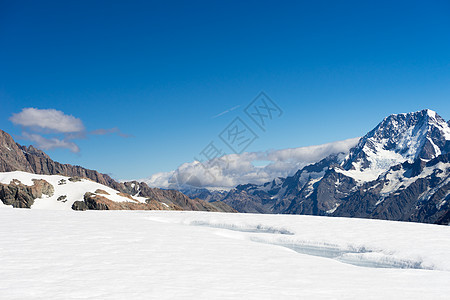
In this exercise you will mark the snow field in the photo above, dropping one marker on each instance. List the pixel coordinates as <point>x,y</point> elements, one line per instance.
<point>49,254</point>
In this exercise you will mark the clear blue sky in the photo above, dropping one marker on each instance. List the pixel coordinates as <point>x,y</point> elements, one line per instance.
<point>160,71</point>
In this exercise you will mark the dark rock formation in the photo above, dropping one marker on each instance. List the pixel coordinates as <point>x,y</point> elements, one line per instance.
<point>22,196</point>
<point>79,205</point>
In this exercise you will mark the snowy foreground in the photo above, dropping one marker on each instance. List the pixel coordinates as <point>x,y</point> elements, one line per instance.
<point>48,254</point>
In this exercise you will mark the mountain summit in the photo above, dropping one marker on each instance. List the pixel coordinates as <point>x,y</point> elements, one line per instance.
<point>399,138</point>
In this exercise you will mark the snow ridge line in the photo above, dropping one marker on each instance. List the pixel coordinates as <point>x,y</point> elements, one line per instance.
<point>357,256</point>
<point>244,228</point>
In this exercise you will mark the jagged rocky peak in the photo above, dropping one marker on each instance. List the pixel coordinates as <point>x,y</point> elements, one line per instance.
<point>399,138</point>
<point>6,140</point>
<point>31,150</point>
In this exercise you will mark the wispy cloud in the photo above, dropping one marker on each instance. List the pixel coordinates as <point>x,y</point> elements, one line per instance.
<point>225,112</point>
<point>44,143</point>
<point>50,128</point>
<point>113,130</point>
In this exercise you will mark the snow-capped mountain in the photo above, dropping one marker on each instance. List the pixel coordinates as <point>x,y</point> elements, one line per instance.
<point>399,171</point>
<point>399,138</point>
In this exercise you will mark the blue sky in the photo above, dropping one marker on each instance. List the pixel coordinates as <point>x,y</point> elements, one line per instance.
<point>160,71</point>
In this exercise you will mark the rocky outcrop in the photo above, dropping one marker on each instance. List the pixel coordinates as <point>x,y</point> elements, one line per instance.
<point>80,205</point>
<point>22,196</point>
<point>96,202</point>
<point>11,156</point>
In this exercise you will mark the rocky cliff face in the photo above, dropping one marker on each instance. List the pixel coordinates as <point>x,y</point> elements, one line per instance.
<point>14,157</point>
<point>399,171</point>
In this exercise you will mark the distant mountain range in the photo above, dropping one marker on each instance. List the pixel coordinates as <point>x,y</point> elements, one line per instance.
<point>398,171</point>
<point>135,195</point>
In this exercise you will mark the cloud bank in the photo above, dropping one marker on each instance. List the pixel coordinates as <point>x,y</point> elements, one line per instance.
<point>250,167</point>
<point>50,128</point>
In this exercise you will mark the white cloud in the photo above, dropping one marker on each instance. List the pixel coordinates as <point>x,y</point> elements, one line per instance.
<point>50,143</point>
<point>55,129</point>
<point>48,119</point>
<point>233,169</point>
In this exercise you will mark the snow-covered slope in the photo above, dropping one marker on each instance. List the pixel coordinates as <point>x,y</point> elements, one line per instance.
<point>67,191</point>
<point>193,255</point>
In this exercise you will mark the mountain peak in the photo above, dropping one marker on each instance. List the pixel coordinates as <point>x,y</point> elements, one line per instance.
<point>398,138</point>
<point>429,114</point>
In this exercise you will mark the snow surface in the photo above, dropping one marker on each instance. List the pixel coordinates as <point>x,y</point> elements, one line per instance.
<point>184,255</point>
<point>74,191</point>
